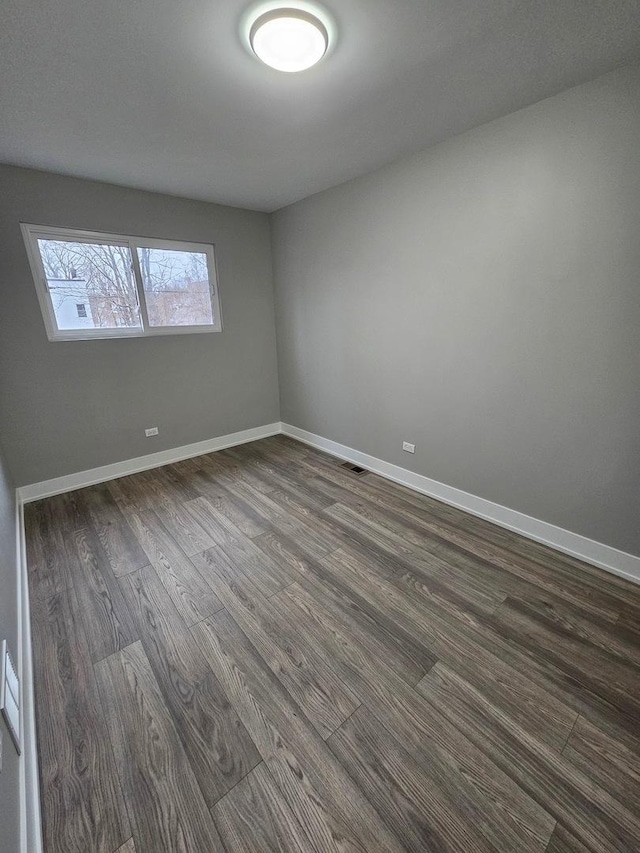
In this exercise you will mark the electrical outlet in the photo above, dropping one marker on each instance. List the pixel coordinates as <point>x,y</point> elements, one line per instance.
<point>151,431</point>
<point>410,448</point>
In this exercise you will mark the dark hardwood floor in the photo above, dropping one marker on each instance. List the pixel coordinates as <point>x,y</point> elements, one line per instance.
<point>258,650</point>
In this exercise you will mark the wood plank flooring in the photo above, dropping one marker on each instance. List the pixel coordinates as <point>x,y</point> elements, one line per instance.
<point>257,651</point>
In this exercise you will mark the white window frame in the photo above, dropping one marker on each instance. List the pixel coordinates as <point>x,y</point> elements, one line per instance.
<point>33,233</point>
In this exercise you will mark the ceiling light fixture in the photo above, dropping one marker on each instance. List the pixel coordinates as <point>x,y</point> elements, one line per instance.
<point>289,39</point>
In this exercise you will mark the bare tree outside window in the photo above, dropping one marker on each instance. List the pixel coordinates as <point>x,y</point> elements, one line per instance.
<point>176,286</point>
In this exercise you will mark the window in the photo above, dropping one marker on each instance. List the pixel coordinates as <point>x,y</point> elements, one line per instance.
<point>93,285</point>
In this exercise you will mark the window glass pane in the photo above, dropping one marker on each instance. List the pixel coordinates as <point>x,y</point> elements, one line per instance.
<point>91,285</point>
<point>176,287</point>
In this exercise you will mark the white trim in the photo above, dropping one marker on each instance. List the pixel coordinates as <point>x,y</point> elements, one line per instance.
<point>31,234</point>
<point>30,818</point>
<point>596,553</point>
<point>58,485</point>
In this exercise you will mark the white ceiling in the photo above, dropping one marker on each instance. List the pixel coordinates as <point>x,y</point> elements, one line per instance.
<point>163,95</point>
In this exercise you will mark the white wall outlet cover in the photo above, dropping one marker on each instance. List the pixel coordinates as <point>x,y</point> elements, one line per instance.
<point>10,695</point>
<point>410,448</point>
<point>151,431</point>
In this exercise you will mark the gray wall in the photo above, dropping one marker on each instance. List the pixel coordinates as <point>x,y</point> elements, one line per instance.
<point>482,299</point>
<point>69,406</point>
<point>9,777</point>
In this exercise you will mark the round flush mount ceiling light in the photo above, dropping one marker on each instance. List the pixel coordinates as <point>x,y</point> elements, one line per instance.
<point>289,39</point>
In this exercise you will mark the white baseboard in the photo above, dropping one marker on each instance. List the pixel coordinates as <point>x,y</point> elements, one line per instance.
<point>596,553</point>
<point>30,819</point>
<point>58,485</point>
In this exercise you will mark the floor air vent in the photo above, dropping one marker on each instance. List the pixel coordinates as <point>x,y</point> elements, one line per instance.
<point>355,469</point>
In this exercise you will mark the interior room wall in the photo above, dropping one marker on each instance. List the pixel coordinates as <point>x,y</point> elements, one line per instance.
<point>482,300</point>
<point>69,406</point>
<point>10,774</point>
